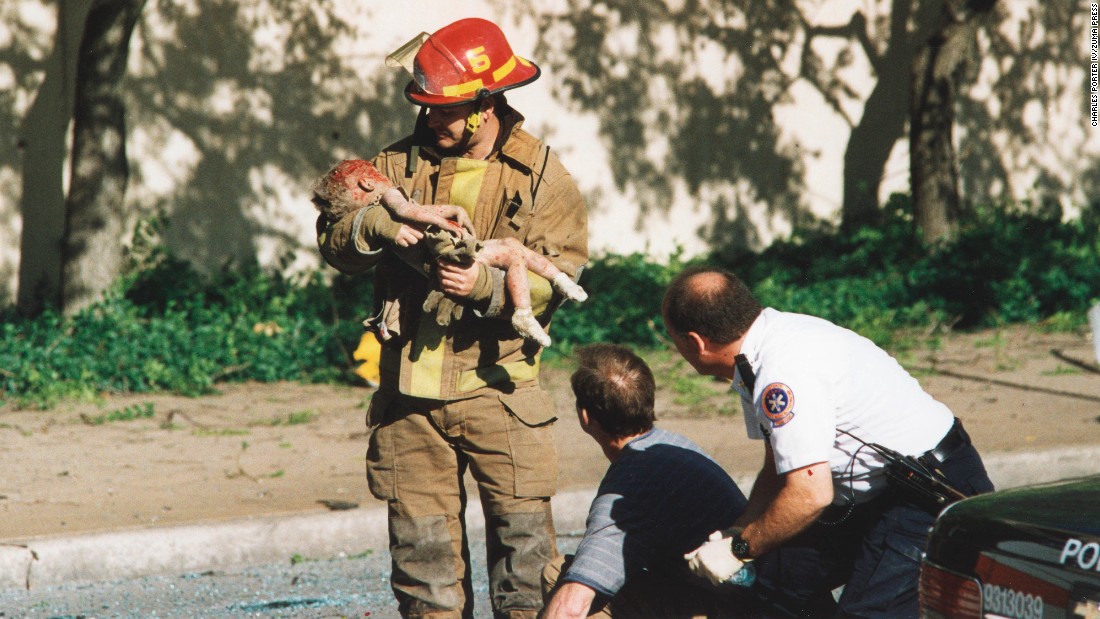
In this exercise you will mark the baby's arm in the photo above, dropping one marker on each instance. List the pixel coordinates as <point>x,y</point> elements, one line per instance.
<point>444,216</point>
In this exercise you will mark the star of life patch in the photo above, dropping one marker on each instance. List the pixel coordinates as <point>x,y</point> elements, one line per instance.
<point>778,404</point>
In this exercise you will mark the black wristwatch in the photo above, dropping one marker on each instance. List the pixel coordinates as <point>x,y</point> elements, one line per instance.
<point>740,547</point>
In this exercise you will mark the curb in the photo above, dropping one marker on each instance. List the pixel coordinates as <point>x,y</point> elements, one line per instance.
<point>1013,469</point>
<point>184,548</point>
<point>41,562</point>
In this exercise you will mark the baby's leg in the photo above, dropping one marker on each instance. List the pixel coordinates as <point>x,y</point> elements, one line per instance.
<point>507,254</point>
<point>540,265</point>
<point>503,255</point>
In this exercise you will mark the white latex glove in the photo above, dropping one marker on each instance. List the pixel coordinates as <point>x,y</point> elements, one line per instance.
<point>714,560</point>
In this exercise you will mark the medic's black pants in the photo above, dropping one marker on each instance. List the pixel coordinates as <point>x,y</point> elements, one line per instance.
<point>875,553</point>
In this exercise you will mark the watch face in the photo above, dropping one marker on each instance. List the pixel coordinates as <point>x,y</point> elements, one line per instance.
<point>740,548</point>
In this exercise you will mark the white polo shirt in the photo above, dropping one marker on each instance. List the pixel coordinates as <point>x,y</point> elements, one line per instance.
<point>814,378</point>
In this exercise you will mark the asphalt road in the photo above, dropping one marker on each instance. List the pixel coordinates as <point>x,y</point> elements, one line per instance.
<point>302,575</point>
<point>314,589</point>
<point>68,585</point>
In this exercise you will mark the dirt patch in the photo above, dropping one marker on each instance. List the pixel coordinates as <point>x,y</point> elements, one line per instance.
<point>262,449</point>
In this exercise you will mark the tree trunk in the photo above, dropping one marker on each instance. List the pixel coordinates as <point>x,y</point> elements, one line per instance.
<point>880,126</point>
<point>94,218</point>
<point>933,167</point>
<point>42,139</point>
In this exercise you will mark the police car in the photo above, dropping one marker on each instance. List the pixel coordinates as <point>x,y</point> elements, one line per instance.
<point>1027,553</point>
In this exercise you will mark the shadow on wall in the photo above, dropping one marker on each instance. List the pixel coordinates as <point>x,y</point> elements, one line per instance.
<point>259,119</point>
<point>6,273</point>
<point>637,66</point>
<point>1032,76</point>
<point>703,83</point>
<point>686,99</point>
<point>252,120</point>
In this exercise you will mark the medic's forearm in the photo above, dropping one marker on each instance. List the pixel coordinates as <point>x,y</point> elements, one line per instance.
<point>763,491</point>
<point>801,496</point>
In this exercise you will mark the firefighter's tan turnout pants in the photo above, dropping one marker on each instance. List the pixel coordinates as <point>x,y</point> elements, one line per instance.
<point>418,455</point>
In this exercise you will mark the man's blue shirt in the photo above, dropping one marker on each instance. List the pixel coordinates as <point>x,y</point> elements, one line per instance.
<point>659,500</point>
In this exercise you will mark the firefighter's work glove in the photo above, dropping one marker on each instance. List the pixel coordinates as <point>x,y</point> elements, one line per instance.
<point>714,560</point>
<point>445,308</point>
<point>461,250</point>
<point>483,287</point>
<point>438,242</point>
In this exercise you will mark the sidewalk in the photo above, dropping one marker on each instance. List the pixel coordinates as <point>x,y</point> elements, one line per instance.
<point>55,560</point>
<point>235,478</point>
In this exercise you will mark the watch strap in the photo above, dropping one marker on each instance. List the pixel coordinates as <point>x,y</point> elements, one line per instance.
<point>740,547</point>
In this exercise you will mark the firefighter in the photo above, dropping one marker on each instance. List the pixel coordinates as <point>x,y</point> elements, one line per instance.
<point>463,394</point>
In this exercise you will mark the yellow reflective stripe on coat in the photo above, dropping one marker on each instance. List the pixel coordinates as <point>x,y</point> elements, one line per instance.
<point>426,375</point>
<point>541,291</point>
<point>466,183</point>
<point>514,372</point>
<point>429,349</point>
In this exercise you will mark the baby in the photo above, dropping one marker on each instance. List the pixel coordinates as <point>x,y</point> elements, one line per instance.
<point>355,183</point>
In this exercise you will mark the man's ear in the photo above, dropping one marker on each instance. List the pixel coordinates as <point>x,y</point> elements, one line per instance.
<point>697,342</point>
<point>488,104</point>
<point>588,424</point>
<point>582,416</point>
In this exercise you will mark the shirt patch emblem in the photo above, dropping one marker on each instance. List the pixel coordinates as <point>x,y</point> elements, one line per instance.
<point>778,403</point>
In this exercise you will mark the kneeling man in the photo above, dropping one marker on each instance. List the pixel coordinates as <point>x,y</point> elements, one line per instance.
<point>659,499</point>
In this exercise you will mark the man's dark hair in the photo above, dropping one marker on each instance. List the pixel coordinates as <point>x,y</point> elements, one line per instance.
<point>616,387</point>
<point>711,302</point>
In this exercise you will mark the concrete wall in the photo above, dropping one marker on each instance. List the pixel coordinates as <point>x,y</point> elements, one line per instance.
<point>235,106</point>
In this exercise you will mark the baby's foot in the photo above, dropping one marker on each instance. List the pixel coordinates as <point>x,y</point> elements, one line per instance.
<point>569,288</point>
<point>523,320</point>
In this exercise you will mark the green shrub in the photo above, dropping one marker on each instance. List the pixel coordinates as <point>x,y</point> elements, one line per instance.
<point>166,327</point>
<point>624,304</point>
<point>1010,265</point>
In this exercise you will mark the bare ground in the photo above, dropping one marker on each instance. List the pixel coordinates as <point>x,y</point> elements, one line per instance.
<point>264,449</point>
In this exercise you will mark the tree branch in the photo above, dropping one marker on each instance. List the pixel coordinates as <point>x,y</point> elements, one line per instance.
<point>856,29</point>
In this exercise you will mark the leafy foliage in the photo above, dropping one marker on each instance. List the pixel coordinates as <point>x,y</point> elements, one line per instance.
<point>130,413</point>
<point>1008,264</point>
<point>165,326</point>
<point>1012,265</point>
<point>624,305</point>
<point>168,327</point>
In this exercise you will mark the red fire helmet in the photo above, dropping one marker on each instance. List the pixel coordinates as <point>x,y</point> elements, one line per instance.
<point>462,62</point>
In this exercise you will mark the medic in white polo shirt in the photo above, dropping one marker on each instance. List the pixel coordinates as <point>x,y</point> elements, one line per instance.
<point>828,404</point>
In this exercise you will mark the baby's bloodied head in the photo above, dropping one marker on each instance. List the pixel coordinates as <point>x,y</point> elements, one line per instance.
<point>351,185</point>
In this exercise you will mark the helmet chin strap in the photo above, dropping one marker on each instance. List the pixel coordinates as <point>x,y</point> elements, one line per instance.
<point>473,124</point>
<point>473,121</point>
